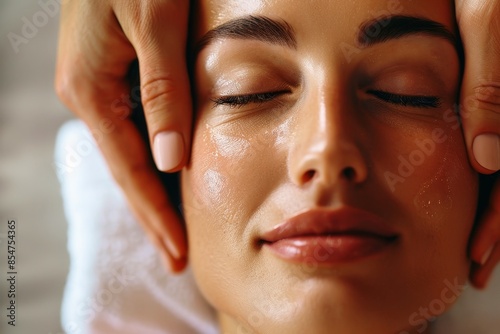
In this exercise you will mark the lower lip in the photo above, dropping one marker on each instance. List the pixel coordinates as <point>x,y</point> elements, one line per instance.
<point>329,250</point>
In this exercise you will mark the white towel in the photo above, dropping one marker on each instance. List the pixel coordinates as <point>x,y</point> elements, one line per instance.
<point>116,281</point>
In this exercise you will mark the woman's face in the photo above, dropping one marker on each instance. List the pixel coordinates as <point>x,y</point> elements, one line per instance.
<point>329,187</point>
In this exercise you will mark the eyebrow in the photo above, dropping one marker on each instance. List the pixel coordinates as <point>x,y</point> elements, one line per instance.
<point>385,28</point>
<point>375,31</point>
<point>260,28</point>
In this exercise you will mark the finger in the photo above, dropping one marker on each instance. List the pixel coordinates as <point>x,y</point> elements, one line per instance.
<point>488,227</point>
<point>481,274</point>
<point>90,79</point>
<point>480,95</point>
<point>159,35</point>
<point>84,60</point>
<point>485,242</point>
<point>129,163</point>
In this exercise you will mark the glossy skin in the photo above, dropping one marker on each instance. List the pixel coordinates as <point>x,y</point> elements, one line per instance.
<point>100,38</point>
<point>321,138</point>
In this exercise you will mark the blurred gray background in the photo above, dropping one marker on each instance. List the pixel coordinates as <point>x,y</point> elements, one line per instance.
<point>30,115</point>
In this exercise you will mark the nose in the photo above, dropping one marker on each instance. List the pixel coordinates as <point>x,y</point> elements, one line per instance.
<point>328,150</point>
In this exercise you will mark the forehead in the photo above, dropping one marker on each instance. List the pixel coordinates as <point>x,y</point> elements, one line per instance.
<point>319,16</point>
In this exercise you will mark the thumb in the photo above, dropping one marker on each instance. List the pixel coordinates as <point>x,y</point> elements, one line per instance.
<point>159,33</point>
<point>480,96</point>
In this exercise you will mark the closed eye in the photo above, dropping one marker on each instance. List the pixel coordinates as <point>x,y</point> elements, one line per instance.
<point>416,101</point>
<point>236,101</point>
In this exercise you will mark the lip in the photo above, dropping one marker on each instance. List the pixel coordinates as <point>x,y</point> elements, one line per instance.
<point>330,237</point>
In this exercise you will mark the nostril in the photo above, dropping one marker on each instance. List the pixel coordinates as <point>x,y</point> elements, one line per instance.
<point>349,173</point>
<point>308,176</point>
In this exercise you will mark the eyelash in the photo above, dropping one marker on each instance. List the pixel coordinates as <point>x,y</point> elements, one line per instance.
<point>237,101</point>
<point>416,101</point>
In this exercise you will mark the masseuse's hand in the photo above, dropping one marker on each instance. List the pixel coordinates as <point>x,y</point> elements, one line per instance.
<point>479,25</point>
<point>98,41</point>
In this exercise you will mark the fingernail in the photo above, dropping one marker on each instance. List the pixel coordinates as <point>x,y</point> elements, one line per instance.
<point>486,148</point>
<point>172,248</point>
<point>168,150</point>
<point>486,255</point>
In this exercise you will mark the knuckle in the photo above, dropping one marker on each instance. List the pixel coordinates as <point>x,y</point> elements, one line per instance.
<point>487,96</point>
<point>152,15</point>
<point>72,93</point>
<point>70,87</point>
<point>63,87</point>
<point>475,12</point>
<point>158,91</point>
<point>488,93</point>
<point>484,97</point>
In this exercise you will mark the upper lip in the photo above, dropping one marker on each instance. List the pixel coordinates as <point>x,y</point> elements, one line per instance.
<point>318,222</point>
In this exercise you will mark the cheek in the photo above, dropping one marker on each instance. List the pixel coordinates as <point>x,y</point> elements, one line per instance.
<point>443,198</point>
<point>226,175</point>
<point>442,194</point>
<point>435,189</point>
<point>434,192</point>
<point>229,176</point>
<point>234,166</point>
<point>437,183</point>
<point>207,204</point>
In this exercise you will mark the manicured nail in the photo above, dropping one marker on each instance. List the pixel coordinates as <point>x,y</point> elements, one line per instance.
<point>486,255</point>
<point>168,150</point>
<point>486,148</point>
<point>172,248</point>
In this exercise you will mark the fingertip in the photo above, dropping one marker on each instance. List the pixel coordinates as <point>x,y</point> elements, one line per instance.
<point>173,249</point>
<point>167,103</point>
<point>180,265</point>
<point>476,257</point>
<point>486,150</point>
<point>174,266</point>
<point>481,245</point>
<point>480,279</point>
<point>481,253</point>
<point>168,151</point>
<point>481,274</point>
<point>486,255</point>
<point>475,277</point>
